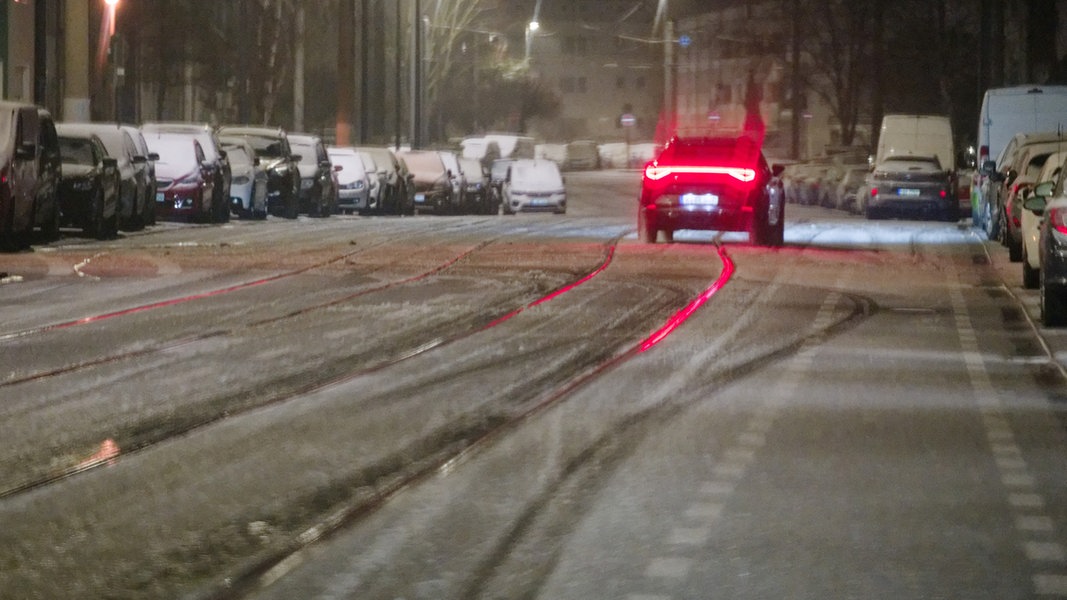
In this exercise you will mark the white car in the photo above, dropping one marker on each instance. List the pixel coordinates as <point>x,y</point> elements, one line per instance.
<point>1030,222</point>
<point>354,185</point>
<point>534,185</point>
<point>248,183</point>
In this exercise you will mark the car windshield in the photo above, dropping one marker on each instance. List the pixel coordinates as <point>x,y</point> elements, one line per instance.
<point>536,174</point>
<point>238,155</point>
<point>177,154</point>
<point>266,147</point>
<point>308,152</point>
<point>76,151</point>
<point>351,167</point>
<point>425,163</point>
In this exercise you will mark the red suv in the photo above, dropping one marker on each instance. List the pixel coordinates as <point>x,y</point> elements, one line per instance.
<point>715,183</point>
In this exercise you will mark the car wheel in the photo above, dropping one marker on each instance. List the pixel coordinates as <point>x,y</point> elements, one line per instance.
<point>50,229</point>
<point>646,229</point>
<point>1031,276</point>
<point>96,226</point>
<point>1053,305</point>
<point>1015,250</point>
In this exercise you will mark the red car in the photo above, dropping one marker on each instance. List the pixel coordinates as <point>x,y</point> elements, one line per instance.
<point>712,183</point>
<point>185,178</point>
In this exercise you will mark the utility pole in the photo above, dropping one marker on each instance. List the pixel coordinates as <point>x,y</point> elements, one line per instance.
<point>298,70</point>
<point>416,77</point>
<point>346,76</point>
<point>794,146</point>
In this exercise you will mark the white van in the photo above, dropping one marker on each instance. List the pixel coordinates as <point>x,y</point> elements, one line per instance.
<point>917,135</point>
<point>1006,112</point>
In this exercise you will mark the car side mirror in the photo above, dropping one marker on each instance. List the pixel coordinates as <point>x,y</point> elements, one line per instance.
<point>1036,204</point>
<point>989,168</point>
<point>296,158</point>
<point>255,161</point>
<point>1044,189</point>
<point>338,168</point>
<point>139,160</point>
<point>110,163</point>
<point>153,156</point>
<point>222,154</point>
<point>777,170</point>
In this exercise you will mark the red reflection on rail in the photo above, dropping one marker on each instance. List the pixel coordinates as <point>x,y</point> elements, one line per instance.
<point>683,315</point>
<point>559,292</point>
<point>107,454</point>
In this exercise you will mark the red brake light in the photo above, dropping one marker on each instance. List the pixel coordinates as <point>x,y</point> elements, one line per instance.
<point>1057,221</point>
<point>874,192</point>
<point>656,172</point>
<point>944,194</point>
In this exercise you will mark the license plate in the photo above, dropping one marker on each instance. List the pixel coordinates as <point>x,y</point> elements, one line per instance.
<point>538,201</point>
<point>907,192</point>
<point>420,197</point>
<point>161,197</point>
<point>700,200</point>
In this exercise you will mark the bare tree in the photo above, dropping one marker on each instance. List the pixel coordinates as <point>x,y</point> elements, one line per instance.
<point>838,42</point>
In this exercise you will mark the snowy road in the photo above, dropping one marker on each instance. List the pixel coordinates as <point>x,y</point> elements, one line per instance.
<point>461,407</point>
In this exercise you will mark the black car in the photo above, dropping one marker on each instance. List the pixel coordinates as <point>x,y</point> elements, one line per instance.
<point>317,189</point>
<point>716,183</point>
<point>29,160</point>
<point>277,158</point>
<point>133,170</point>
<point>89,185</point>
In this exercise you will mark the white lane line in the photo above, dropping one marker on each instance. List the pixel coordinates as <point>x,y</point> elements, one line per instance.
<point>669,567</point>
<point>1014,471</point>
<point>1051,585</point>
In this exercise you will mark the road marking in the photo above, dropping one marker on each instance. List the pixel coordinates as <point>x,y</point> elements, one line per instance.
<point>669,567</point>
<point>736,458</point>
<point>1045,551</point>
<point>1014,472</point>
<point>1051,585</point>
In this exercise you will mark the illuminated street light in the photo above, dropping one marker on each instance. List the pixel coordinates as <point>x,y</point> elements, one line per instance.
<point>531,28</point>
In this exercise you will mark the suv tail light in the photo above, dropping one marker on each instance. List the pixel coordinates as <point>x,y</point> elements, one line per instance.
<point>656,172</point>
<point>1057,219</point>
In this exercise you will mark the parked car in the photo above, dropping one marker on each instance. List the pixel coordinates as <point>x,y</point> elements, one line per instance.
<point>911,186</point>
<point>1052,249</point>
<point>477,193</point>
<point>391,197</point>
<point>848,188</point>
<point>480,149</point>
<point>186,178</point>
<point>498,172</point>
<point>278,159</point>
<point>89,184</point>
<point>407,187</point>
<point>49,166</point>
<point>1033,212</point>
<point>717,183</point>
<point>248,182</point>
<point>377,182</point>
<point>316,175</point>
<point>534,185</point>
<point>149,200</point>
<point>433,183</point>
<point>1022,173</point>
<point>218,163</point>
<point>133,170</point>
<point>352,178</point>
<point>1006,112</point>
<point>459,182</point>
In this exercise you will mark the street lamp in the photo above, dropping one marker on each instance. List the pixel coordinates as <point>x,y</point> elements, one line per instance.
<point>531,28</point>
